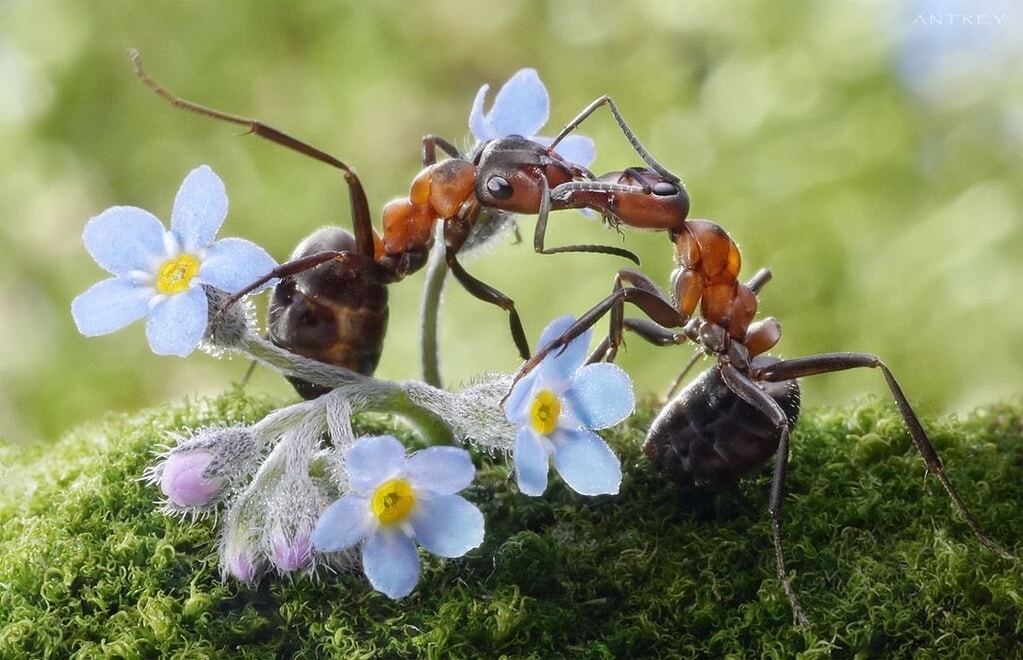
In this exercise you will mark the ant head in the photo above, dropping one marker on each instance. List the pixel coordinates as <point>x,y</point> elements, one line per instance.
<point>508,172</point>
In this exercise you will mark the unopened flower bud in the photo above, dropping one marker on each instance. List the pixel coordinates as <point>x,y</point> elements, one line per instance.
<point>290,554</point>
<point>242,567</point>
<point>183,480</point>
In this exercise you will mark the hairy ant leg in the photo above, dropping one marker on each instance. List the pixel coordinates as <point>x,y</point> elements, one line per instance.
<point>831,362</point>
<point>541,231</point>
<point>626,130</point>
<point>361,219</point>
<point>748,391</point>
<point>431,143</point>
<point>455,233</point>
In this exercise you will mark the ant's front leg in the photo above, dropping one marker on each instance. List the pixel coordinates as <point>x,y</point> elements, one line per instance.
<point>626,130</point>
<point>433,142</point>
<point>831,362</point>
<point>541,232</point>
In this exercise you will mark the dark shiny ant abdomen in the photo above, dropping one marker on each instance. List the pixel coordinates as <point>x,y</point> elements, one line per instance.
<point>707,435</point>
<point>334,313</point>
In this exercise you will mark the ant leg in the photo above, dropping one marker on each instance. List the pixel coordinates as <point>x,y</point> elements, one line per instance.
<point>831,362</point>
<point>287,269</point>
<point>361,219</point>
<point>748,391</point>
<point>433,142</point>
<point>541,231</point>
<point>629,135</point>
<point>652,305</point>
<point>675,384</point>
<point>489,294</point>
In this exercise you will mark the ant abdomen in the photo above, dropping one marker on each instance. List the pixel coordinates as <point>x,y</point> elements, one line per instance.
<point>707,435</point>
<point>334,313</point>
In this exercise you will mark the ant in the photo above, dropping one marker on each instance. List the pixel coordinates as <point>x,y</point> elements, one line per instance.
<point>729,420</point>
<point>340,315</point>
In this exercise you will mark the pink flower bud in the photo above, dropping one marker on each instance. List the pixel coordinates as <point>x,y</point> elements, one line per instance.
<point>182,480</point>
<point>290,556</point>
<point>242,568</point>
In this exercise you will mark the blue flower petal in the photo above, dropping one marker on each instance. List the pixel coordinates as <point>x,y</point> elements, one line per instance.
<point>234,263</point>
<point>577,149</point>
<point>199,209</point>
<point>391,563</point>
<point>441,470</point>
<point>373,460</point>
<point>447,526</point>
<point>601,395</point>
<point>559,365</point>
<point>480,126</point>
<point>344,523</point>
<point>110,305</point>
<point>531,462</point>
<point>124,238</point>
<point>586,463</point>
<point>521,106</point>
<point>178,322</point>
<point>516,407</point>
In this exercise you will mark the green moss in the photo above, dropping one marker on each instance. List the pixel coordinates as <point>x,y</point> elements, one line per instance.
<point>882,563</point>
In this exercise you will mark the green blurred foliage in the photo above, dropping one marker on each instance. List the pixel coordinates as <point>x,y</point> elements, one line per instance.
<point>890,218</point>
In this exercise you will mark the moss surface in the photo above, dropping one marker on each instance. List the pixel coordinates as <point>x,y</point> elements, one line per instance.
<point>882,563</point>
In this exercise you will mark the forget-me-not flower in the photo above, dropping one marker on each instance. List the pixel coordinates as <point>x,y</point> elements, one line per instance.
<point>522,107</point>
<point>557,406</point>
<point>159,273</point>
<point>397,501</point>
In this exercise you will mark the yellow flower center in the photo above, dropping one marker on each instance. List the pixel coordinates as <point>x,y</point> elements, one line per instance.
<point>393,500</point>
<point>175,274</point>
<point>545,411</point>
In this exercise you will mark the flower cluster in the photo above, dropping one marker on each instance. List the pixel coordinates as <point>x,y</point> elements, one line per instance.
<point>292,502</point>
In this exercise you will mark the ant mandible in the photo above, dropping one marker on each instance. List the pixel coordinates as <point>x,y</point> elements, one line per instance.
<point>730,420</point>
<point>510,174</point>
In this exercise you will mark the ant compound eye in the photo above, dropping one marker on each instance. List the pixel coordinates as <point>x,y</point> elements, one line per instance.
<point>499,187</point>
<point>664,189</point>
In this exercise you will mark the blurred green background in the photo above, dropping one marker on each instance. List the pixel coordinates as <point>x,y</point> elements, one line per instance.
<point>867,152</point>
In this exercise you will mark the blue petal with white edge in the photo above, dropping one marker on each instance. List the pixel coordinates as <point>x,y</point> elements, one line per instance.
<point>344,523</point>
<point>586,463</point>
<point>391,563</point>
<point>480,126</point>
<point>522,105</point>
<point>531,462</point>
<point>559,365</point>
<point>601,395</point>
<point>516,406</point>
<point>178,322</point>
<point>577,149</point>
<point>124,238</point>
<point>373,460</point>
<point>441,470</point>
<point>447,526</point>
<point>199,209</point>
<point>233,263</point>
<point>110,305</point>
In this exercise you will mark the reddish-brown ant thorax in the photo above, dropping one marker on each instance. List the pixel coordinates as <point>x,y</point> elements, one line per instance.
<point>451,183</point>
<point>705,246</point>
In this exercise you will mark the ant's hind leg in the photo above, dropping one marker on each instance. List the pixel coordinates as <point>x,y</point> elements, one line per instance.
<point>748,391</point>
<point>361,218</point>
<point>626,130</point>
<point>831,362</point>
